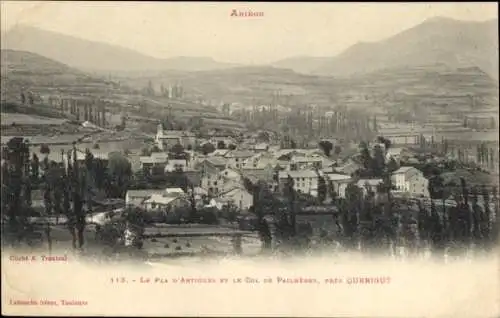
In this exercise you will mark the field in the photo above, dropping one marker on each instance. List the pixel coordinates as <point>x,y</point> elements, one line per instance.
<point>436,88</point>
<point>9,119</point>
<point>45,77</point>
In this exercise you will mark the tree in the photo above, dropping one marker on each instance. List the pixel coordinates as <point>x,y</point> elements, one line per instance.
<point>392,165</point>
<point>16,185</point>
<point>322,189</point>
<point>326,146</point>
<point>44,149</point>
<point>385,141</point>
<point>478,218</point>
<point>120,171</point>
<point>378,162</point>
<point>31,99</point>
<point>221,144</point>
<point>35,167</point>
<point>145,152</point>
<point>150,89</point>
<point>366,158</point>
<point>337,150</point>
<point>290,194</point>
<point>177,151</point>
<point>263,136</point>
<point>207,148</point>
<point>155,148</point>
<point>332,192</point>
<point>352,211</point>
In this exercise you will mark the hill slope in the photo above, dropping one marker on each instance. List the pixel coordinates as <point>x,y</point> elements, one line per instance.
<point>96,56</point>
<point>437,40</point>
<point>26,70</point>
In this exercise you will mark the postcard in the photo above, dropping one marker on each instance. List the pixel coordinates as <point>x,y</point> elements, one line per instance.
<point>250,159</point>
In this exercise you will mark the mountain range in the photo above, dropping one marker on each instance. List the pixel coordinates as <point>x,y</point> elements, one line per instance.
<point>97,56</point>
<point>435,41</point>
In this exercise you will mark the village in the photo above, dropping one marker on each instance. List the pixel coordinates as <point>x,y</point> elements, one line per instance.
<point>237,189</point>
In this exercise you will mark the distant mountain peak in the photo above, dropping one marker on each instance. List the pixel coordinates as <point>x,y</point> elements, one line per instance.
<point>90,55</point>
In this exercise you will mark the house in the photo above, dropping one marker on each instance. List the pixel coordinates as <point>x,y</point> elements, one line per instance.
<point>369,185</point>
<point>157,159</point>
<point>348,167</point>
<point>218,182</point>
<point>227,140</point>
<point>304,181</point>
<point>410,180</point>
<point>339,183</point>
<point>264,173</point>
<point>402,138</point>
<point>165,139</point>
<point>176,191</point>
<point>137,197</point>
<point>236,158</point>
<point>299,162</point>
<point>166,202</point>
<point>239,196</point>
<point>212,165</point>
<point>217,203</point>
<point>260,161</point>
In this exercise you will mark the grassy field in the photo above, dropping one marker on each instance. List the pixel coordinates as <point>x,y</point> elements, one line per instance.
<point>23,119</point>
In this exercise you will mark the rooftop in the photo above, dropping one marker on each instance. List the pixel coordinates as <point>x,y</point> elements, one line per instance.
<point>337,177</point>
<point>403,170</point>
<point>298,174</point>
<point>239,154</point>
<point>216,161</point>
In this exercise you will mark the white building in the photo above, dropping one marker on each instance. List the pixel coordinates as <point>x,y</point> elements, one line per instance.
<point>236,158</point>
<point>165,139</point>
<point>299,162</point>
<point>137,197</point>
<point>304,181</point>
<point>410,180</point>
<point>239,197</point>
<point>339,183</point>
<point>165,202</point>
<point>145,198</point>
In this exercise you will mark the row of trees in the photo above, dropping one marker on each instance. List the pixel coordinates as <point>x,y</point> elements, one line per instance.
<point>310,124</point>
<point>176,91</point>
<point>371,220</point>
<point>88,110</point>
<point>68,187</point>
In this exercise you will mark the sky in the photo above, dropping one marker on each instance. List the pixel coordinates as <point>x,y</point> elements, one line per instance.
<point>168,29</point>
